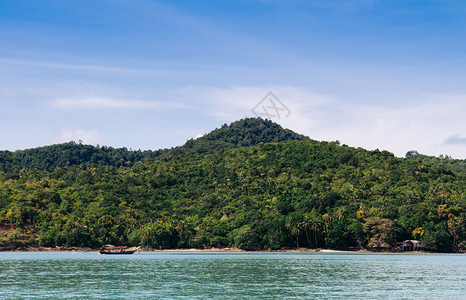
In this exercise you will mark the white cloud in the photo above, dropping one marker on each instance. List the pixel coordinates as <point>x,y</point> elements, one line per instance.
<point>101,102</point>
<point>86,136</point>
<point>421,125</point>
<point>231,104</point>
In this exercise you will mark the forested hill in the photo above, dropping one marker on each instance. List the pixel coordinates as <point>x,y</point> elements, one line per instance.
<point>267,196</point>
<point>250,184</point>
<point>245,132</point>
<point>49,158</point>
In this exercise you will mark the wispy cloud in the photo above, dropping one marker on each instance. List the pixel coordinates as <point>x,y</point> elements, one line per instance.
<point>57,65</point>
<point>419,125</point>
<point>86,136</point>
<point>102,103</point>
<point>455,140</point>
<point>416,125</point>
<point>230,104</point>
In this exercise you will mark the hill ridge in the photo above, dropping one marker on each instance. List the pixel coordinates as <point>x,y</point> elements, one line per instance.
<point>242,133</point>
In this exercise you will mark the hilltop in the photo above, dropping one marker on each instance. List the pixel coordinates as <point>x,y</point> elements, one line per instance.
<point>243,133</point>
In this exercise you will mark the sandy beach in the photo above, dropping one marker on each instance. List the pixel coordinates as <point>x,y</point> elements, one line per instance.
<point>227,249</point>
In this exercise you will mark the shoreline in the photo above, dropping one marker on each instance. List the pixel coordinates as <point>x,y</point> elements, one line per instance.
<point>226,249</point>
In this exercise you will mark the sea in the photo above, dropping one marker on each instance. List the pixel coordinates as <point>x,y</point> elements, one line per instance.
<point>231,275</point>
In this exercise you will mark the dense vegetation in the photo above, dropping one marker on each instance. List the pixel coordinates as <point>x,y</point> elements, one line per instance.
<point>262,196</point>
<point>443,161</point>
<point>49,158</point>
<point>243,133</point>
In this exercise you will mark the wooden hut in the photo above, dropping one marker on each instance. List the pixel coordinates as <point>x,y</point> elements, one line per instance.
<point>412,245</point>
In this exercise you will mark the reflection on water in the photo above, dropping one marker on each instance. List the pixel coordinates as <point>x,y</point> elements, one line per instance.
<point>231,275</point>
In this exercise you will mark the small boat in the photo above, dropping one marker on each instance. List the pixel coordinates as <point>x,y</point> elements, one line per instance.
<point>110,249</point>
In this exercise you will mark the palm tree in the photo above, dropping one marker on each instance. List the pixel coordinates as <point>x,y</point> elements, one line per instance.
<point>294,226</point>
<point>147,233</point>
<point>327,219</point>
<point>313,221</point>
<point>182,227</point>
<point>306,226</point>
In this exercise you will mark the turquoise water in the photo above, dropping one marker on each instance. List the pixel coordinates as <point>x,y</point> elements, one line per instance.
<point>231,275</point>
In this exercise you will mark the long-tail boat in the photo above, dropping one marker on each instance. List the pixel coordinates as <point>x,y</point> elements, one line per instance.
<point>110,249</point>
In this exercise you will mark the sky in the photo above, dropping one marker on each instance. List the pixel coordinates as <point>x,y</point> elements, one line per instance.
<point>147,74</point>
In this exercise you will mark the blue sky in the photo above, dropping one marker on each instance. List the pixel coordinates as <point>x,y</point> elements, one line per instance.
<point>151,74</point>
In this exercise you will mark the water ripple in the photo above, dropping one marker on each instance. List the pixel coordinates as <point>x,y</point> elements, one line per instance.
<point>231,275</point>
